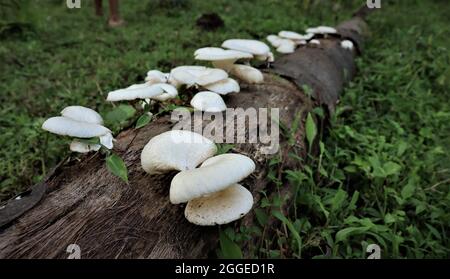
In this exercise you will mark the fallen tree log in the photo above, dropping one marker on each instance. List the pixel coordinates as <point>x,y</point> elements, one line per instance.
<point>81,203</point>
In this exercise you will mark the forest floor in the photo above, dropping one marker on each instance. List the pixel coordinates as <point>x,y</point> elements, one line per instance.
<point>383,176</point>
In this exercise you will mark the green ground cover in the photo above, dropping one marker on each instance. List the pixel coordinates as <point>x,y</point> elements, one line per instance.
<point>384,173</point>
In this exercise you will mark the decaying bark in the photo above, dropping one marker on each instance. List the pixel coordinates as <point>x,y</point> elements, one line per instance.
<point>82,203</point>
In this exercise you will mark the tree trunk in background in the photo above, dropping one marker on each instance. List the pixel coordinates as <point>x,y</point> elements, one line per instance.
<point>82,203</point>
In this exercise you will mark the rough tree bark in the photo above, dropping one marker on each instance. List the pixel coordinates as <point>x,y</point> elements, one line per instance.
<point>80,202</point>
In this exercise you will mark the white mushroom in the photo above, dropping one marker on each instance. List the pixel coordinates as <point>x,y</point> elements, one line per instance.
<point>155,76</point>
<point>324,30</point>
<point>176,150</point>
<point>173,81</point>
<point>81,147</point>
<point>297,38</point>
<point>214,175</point>
<point>68,127</point>
<point>314,42</point>
<point>82,114</point>
<point>80,122</point>
<point>291,35</point>
<point>247,73</point>
<point>347,44</point>
<point>208,101</point>
<point>221,58</point>
<point>136,91</point>
<point>107,140</point>
<point>224,87</point>
<point>270,57</point>
<point>274,40</point>
<point>220,208</point>
<point>286,46</point>
<point>308,36</point>
<point>197,75</point>
<point>251,46</point>
<point>169,90</point>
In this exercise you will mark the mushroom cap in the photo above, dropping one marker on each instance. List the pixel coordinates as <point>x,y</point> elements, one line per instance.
<point>347,44</point>
<point>191,75</point>
<point>68,127</point>
<point>224,87</point>
<point>107,140</point>
<point>155,76</point>
<point>214,175</point>
<point>291,35</point>
<point>170,92</point>
<point>308,36</point>
<point>81,147</point>
<point>176,150</point>
<point>82,114</point>
<point>274,40</point>
<point>247,73</point>
<point>286,46</point>
<point>220,54</point>
<point>220,208</point>
<point>208,101</point>
<point>136,91</point>
<point>251,46</point>
<point>321,30</point>
<point>314,42</point>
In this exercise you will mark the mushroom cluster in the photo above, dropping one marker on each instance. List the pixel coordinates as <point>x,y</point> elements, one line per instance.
<point>287,41</point>
<point>211,191</point>
<point>237,49</point>
<point>144,91</point>
<point>215,82</point>
<point>80,123</point>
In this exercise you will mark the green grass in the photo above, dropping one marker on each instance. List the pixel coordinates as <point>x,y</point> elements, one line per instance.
<point>65,57</point>
<point>383,176</point>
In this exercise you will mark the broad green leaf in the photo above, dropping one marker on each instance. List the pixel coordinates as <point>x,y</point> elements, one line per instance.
<point>229,249</point>
<point>261,216</point>
<point>338,200</point>
<point>120,114</point>
<point>143,121</point>
<point>116,166</point>
<point>409,188</point>
<point>402,146</point>
<point>389,218</point>
<point>311,130</point>
<point>319,112</point>
<point>391,168</point>
<point>352,205</point>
